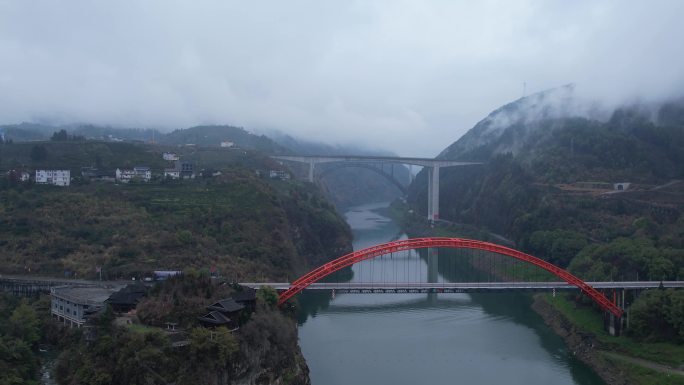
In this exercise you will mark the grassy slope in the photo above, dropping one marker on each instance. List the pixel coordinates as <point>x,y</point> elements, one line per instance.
<point>645,376</point>
<point>587,319</point>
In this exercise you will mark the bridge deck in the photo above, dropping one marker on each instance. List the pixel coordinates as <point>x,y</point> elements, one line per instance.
<point>462,287</point>
<point>425,162</point>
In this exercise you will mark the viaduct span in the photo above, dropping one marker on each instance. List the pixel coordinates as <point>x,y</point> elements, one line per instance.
<point>433,165</point>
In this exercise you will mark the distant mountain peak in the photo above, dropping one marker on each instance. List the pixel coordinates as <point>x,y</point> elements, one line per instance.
<point>555,103</point>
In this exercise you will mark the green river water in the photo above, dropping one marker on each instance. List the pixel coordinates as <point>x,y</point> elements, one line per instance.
<point>397,339</point>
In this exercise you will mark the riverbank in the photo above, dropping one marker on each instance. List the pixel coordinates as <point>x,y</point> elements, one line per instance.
<point>612,358</point>
<point>616,360</point>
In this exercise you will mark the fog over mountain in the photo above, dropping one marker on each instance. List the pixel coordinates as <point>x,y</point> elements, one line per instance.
<point>410,77</point>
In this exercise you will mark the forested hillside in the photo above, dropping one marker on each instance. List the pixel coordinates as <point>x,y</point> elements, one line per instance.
<point>231,220</point>
<point>201,136</point>
<point>548,183</point>
<point>601,197</point>
<point>242,224</point>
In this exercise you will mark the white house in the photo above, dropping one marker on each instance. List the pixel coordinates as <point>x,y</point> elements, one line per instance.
<point>141,173</point>
<point>172,173</point>
<point>621,186</point>
<point>170,156</point>
<point>227,143</point>
<point>124,176</point>
<point>54,177</point>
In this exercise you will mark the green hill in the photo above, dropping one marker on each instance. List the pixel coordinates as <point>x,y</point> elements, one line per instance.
<point>548,184</point>
<point>212,136</point>
<point>246,226</point>
<point>76,154</point>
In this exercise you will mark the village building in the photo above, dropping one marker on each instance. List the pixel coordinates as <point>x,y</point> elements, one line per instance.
<point>73,305</point>
<point>19,175</point>
<point>181,170</point>
<point>216,318</point>
<point>186,170</point>
<point>140,173</point>
<point>54,177</point>
<point>127,298</point>
<point>171,173</point>
<point>246,298</point>
<point>124,176</point>
<point>622,186</point>
<point>227,144</point>
<point>143,173</point>
<point>170,156</point>
<point>227,306</point>
<point>225,312</point>
<point>94,174</point>
<point>162,275</point>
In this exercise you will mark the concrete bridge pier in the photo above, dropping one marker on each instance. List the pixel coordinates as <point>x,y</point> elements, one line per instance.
<point>613,325</point>
<point>432,265</point>
<point>433,193</point>
<point>312,165</point>
<point>432,270</point>
<point>432,164</point>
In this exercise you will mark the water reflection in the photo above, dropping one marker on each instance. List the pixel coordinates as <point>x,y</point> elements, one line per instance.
<point>418,338</point>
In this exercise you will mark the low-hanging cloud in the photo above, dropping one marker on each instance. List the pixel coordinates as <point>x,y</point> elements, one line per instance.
<point>403,75</point>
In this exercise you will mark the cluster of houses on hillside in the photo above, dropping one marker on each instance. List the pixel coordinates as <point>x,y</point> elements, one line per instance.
<point>43,176</point>
<point>180,170</point>
<point>63,177</point>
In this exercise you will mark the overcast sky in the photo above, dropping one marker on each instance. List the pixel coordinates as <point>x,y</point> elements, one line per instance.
<point>407,76</point>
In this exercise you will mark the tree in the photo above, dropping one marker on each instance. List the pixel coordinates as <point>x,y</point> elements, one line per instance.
<point>38,153</point>
<point>60,136</point>
<point>24,324</point>
<point>268,295</point>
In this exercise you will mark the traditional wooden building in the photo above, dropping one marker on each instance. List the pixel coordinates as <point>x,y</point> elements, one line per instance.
<point>127,298</point>
<point>225,312</point>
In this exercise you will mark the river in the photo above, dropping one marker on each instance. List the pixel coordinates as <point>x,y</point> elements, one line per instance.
<point>397,339</point>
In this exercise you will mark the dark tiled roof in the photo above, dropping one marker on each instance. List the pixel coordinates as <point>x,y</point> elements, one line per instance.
<point>129,295</point>
<point>245,295</point>
<point>121,298</point>
<point>135,288</point>
<point>226,305</point>
<point>215,317</point>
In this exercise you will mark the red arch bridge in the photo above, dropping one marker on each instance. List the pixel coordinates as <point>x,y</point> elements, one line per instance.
<point>567,280</point>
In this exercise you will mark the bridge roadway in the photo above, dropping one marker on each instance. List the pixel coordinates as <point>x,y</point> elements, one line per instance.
<point>461,287</point>
<point>433,165</point>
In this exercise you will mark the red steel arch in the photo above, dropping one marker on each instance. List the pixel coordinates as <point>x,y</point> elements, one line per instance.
<point>453,243</point>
